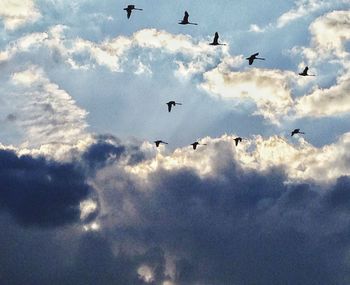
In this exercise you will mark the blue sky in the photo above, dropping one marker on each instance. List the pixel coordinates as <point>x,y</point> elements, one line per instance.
<point>83,97</point>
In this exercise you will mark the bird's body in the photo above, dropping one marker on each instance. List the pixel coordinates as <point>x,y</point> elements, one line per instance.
<point>304,73</point>
<point>172,104</point>
<point>237,140</point>
<point>216,41</point>
<point>254,57</point>
<point>296,131</point>
<point>159,142</point>
<point>195,144</point>
<point>129,10</point>
<point>185,21</point>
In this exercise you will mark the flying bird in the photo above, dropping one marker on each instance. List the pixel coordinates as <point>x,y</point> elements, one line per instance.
<point>195,144</point>
<point>159,142</point>
<point>304,73</point>
<point>237,140</point>
<point>129,10</point>
<point>185,21</point>
<point>216,40</point>
<point>171,104</point>
<point>296,131</point>
<point>254,57</point>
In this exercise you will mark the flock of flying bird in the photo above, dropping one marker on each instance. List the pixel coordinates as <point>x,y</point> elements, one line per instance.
<point>215,42</point>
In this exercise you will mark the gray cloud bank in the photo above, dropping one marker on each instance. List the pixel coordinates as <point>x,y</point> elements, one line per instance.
<point>232,226</point>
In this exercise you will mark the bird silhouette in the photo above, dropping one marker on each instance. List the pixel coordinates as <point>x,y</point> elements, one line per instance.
<point>237,140</point>
<point>254,57</point>
<point>195,144</point>
<point>129,10</point>
<point>296,131</point>
<point>216,40</point>
<point>171,104</point>
<point>159,142</point>
<point>304,73</point>
<point>185,21</point>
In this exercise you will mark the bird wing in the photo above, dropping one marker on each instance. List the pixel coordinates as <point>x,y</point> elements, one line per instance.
<point>169,107</point>
<point>236,141</point>
<point>305,70</point>
<point>128,13</point>
<point>255,54</point>
<point>251,60</point>
<point>216,37</point>
<point>186,17</point>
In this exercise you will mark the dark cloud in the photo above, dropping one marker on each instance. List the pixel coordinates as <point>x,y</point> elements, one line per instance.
<point>232,227</point>
<point>109,149</point>
<point>40,192</point>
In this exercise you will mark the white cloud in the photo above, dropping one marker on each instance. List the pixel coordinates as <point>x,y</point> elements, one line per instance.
<point>303,8</point>
<point>330,33</point>
<point>300,160</point>
<point>326,102</point>
<point>16,13</point>
<point>268,89</point>
<point>46,113</point>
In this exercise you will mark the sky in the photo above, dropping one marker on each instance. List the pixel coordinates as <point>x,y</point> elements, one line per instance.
<point>87,198</point>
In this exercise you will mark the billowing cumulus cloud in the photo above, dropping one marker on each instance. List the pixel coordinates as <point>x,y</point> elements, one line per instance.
<point>18,13</point>
<point>182,227</point>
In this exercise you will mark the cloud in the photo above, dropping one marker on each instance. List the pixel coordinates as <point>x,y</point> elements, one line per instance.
<point>46,113</point>
<point>304,8</point>
<point>179,224</point>
<point>38,192</point>
<point>268,89</point>
<point>226,220</point>
<point>331,101</point>
<point>330,33</point>
<point>18,13</point>
<point>192,56</point>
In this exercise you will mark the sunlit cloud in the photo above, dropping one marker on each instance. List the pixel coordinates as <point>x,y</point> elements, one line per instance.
<point>15,13</point>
